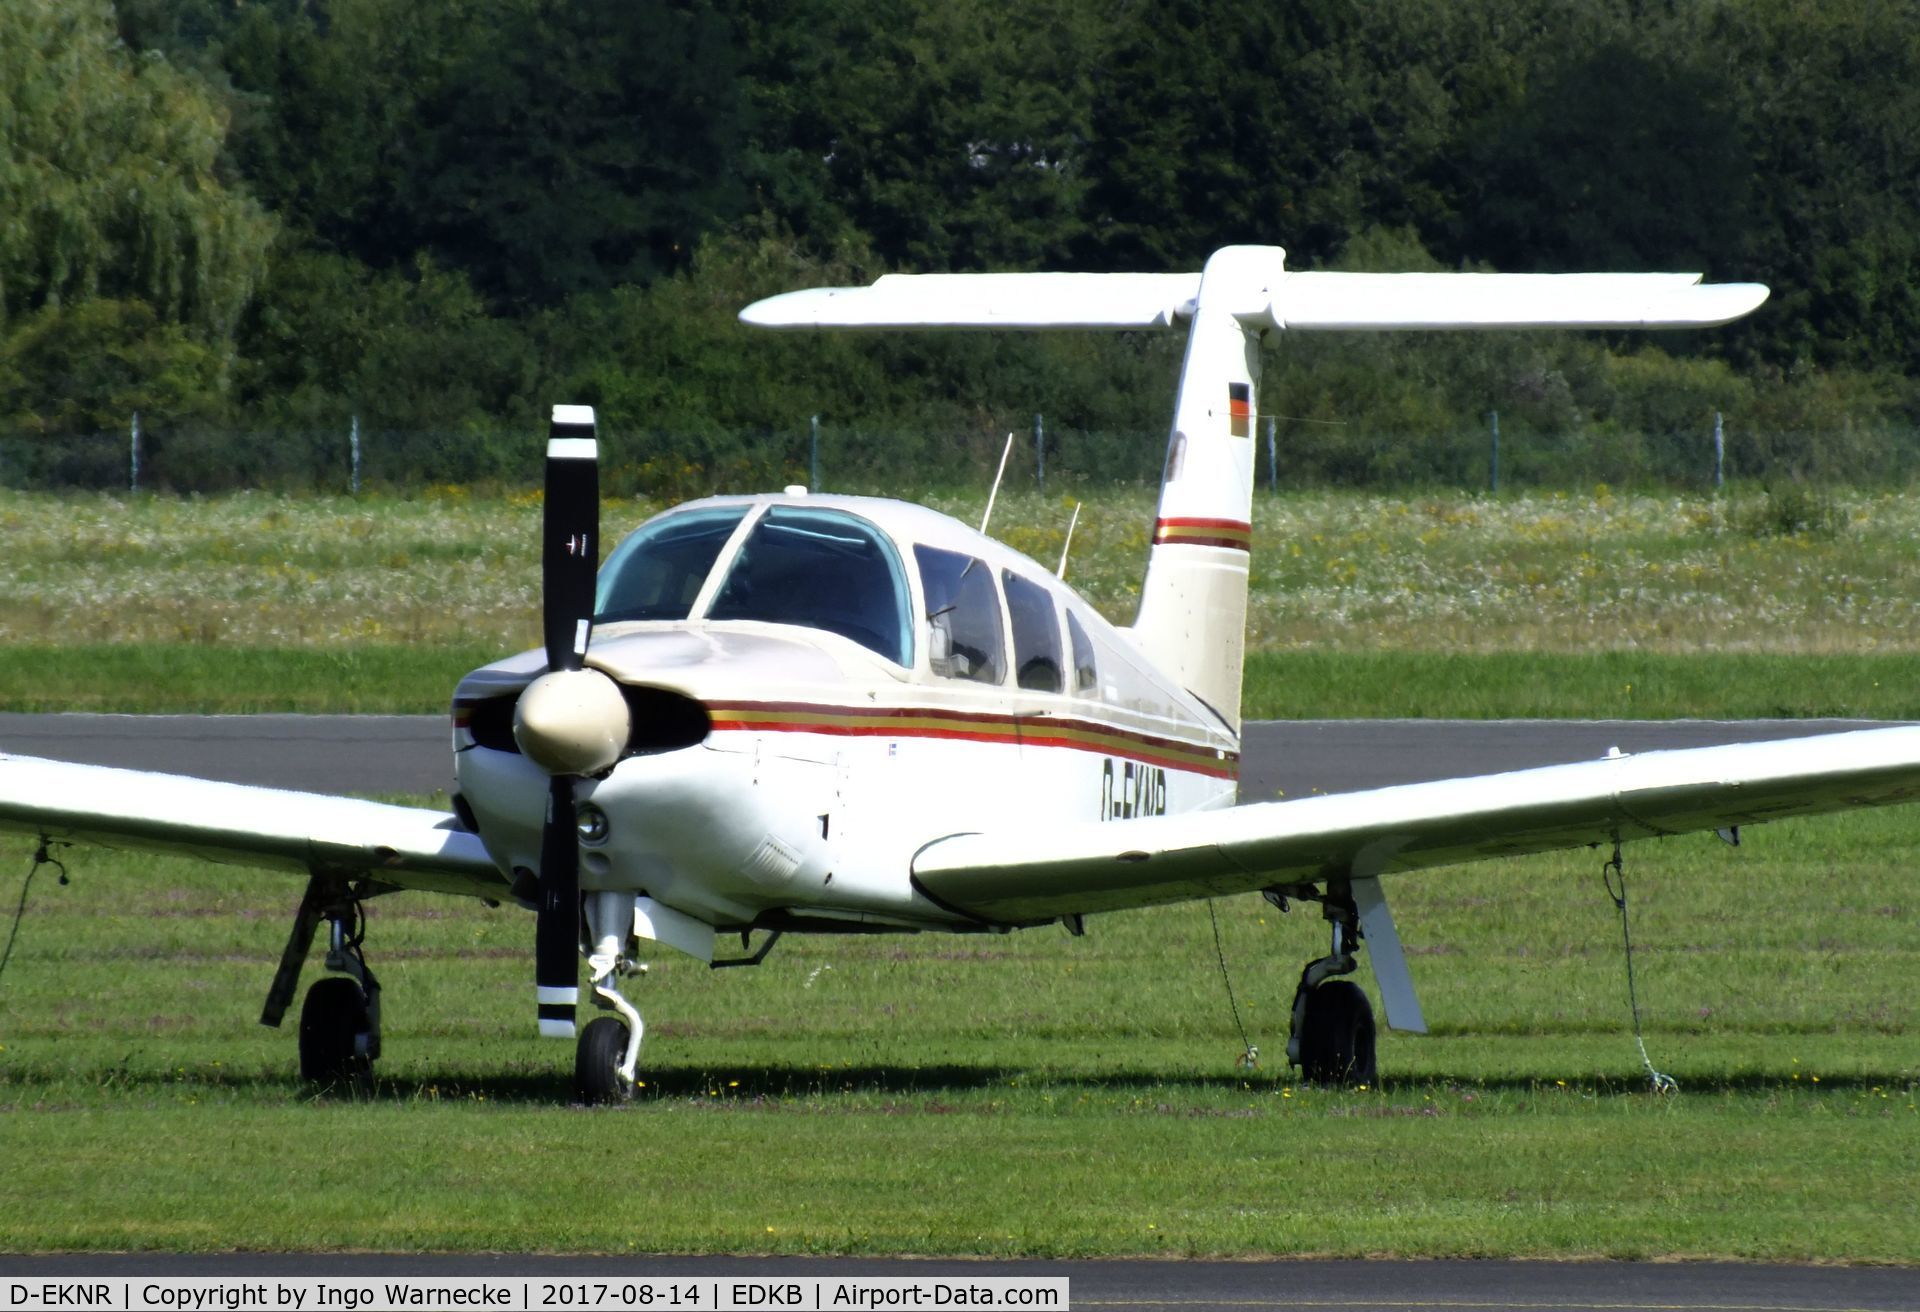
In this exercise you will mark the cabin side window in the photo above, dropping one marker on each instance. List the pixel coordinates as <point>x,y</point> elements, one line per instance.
<point>963,615</point>
<point>1036,634</point>
<point>657,572</point>
<point>1086,671</point>
<point>821,569</point>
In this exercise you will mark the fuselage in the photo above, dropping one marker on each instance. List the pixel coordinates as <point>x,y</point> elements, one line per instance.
<point>821,686</point>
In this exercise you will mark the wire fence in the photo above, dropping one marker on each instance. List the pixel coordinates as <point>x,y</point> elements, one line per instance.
<point>845,458</point>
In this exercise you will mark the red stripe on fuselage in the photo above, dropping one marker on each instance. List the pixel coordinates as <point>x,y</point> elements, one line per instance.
<point>973,726</point>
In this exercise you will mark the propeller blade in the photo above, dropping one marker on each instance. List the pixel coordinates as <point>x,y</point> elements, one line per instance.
<point>556,955</point>
<point>570,533</point>
<point>569,561</point>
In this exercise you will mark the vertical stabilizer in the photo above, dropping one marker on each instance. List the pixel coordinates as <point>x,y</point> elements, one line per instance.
<point>1193,606</point>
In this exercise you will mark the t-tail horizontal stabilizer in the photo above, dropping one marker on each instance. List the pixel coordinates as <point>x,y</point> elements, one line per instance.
<point>1268,296</point>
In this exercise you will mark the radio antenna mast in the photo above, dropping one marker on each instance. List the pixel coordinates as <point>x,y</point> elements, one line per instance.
<point>1005,451</point>
<point>1067,546</point>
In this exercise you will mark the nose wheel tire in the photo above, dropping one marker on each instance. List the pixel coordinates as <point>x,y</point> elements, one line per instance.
<point>602,1046</point>
<point>1336,1040</point>
<point>336,1036</point>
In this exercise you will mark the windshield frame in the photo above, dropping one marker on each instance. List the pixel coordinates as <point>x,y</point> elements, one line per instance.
<point>903,581</point>
<point>744,515</point>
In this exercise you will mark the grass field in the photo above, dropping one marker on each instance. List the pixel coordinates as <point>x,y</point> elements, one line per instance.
<point>1027,1094</point>
<point>1443,604</point>
<point>1023,1094</point>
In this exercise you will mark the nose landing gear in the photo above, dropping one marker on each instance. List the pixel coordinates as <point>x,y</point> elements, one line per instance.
<point>607,1055</point>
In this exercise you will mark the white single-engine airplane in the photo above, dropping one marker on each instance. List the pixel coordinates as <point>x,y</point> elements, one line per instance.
<point>753,718</point>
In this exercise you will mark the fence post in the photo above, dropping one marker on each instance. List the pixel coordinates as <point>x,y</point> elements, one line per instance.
<point>813,455</point>
<point>1719,452</point>
<point>1273,459</point>
<point>1494,464</point>
<point>1040,452</point>
<point>133,455</point>
<point>353,446</point>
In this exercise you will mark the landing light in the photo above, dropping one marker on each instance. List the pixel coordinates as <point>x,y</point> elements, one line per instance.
<point>592,822</point>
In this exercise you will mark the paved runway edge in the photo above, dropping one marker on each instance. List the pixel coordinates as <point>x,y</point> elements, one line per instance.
<point>1144,1283</point>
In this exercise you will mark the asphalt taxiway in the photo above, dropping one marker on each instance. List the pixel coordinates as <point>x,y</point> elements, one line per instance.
<point>1290,758</point>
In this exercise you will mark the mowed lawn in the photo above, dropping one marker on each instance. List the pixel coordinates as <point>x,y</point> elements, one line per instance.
<point>1020,1094</point>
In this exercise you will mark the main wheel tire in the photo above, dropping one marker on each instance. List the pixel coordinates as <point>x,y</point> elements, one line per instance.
<point>336,1036</point>
<point>1336,1042</point>
<point>596,1063</point>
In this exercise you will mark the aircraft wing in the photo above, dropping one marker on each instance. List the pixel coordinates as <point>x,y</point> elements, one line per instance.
<point>1039,873</point>
<point>401,846</point>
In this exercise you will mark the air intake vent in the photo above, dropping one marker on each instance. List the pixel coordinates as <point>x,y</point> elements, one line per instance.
<point>490,721</point>
<point>664,721</point>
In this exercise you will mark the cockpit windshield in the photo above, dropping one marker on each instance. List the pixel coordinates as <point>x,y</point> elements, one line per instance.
<point>657,572</point>
<point>824,569</point>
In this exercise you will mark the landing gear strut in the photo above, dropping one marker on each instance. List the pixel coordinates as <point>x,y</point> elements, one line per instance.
<point>340,1019</point>
<point>608,1051</point>
<point>1331,1038</point>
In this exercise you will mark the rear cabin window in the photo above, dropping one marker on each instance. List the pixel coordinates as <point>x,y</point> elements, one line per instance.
<point>962,604</point>
<point>1086,674</point>
<point>1036,634</point>
<point>821,569</point>
<point>657,572</point>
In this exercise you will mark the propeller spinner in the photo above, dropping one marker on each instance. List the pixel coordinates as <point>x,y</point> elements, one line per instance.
<point>572,721</point>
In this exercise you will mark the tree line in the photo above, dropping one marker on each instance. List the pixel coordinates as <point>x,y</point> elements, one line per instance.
<point>243,216</point>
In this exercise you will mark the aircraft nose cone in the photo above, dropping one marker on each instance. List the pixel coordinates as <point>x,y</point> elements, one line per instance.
<point>572,722</point>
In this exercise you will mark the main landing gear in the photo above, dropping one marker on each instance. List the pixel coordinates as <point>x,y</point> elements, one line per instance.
<point>1331,1038</point>
<point>340,1019</point>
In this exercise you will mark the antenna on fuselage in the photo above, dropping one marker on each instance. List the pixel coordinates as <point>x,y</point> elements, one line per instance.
<point>1005,451</point>
<point>1067,546</point>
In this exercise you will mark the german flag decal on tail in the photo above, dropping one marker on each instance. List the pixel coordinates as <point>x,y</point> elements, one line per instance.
<point>1240,409</point>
